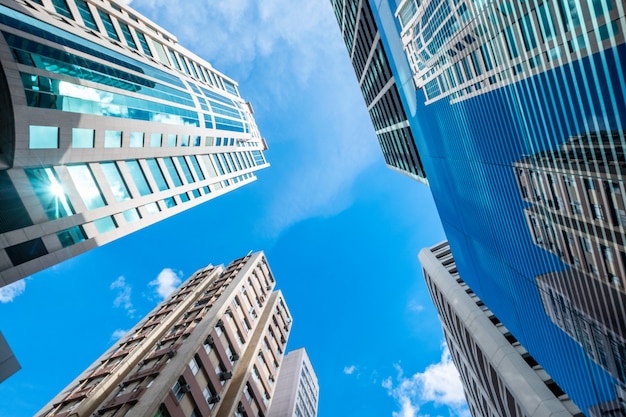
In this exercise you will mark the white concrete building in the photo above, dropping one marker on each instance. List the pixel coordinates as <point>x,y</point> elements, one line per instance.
<point>500,378</point>
<point>297,389</point>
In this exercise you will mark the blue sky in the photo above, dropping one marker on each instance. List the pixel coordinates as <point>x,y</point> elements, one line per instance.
<point>340,230</point>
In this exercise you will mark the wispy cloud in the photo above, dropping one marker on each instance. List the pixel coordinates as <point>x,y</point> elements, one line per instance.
<point>415,306</point>
<point>123,295</point>
<point>349,370</point>
<point>166,282</point>
<point>118,334</point>
<point>439,384</point>
<point>289,58</point>
<point>9,292</point>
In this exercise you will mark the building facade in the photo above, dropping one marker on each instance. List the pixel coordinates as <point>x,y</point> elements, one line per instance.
<point>212,348</point>
<point>499,90</point>
<point>108,125</point>
<point>8,362</point>
<point>297,389</point>
<point>499,376</point>
<point>380,90</point>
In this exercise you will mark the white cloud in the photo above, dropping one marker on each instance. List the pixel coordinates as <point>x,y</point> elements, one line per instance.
<point>289,58</point>
<point>439,384</point>
<point>123,295</point>
<point>118,334</point>
<point>415,306</point>
<point>166,282</point>
<point>9,292</point>
<point>349,370</point>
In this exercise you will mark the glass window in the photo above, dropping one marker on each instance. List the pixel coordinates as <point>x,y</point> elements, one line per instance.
<point>85,13</point>
<point>112,138</point>
<point>131,215</point>
<point>184,197</point>
<point>82,138</point>
<point>144,43</point>
<point>169,202</point>
<point>545,21</point>
<point>43,137</point>
<point>50,192</point>
<point>171,140</point>
<point>138,176</point>
<point>26,251</point>
<point>61,8</point>
<point>174,59</point>
<point>156,140</point>
<point>105,224</point>
<point>152,208</point>
<point>108,25</point>
<point>183,164</point>
<point>171,168</point>
<point>136,139</point>
<point>71,236</point>
<point>127,35</point>
<point>86,186</point>
<point>196,166</point>
<point>155,169</point>
<point>115,180</point>
<point>184,140</point>
<point>218,164</point>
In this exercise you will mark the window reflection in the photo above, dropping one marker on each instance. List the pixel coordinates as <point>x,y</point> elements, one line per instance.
<point>50,192</point>
<point>86,186</point>
<point>115,180</point>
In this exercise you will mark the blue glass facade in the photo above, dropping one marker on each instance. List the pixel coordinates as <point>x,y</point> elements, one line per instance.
<point>518,117</point>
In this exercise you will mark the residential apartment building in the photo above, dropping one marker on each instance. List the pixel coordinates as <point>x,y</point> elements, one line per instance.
<point>297,389</point>
<point>108,125</point>
<point>212,348</point>
<point>500,378</point>
<point>517,110</point>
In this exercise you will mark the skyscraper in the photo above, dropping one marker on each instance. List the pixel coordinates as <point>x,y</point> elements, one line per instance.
<point>380,89</point>
<point>297,390</point>
<point>212,348</point>
<point>108,126</point>
<point>499,376</point>
<point>511,94</point>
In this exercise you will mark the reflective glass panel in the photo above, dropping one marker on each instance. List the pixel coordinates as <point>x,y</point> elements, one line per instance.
<point>183,164</point>
<point>138,176</point>
<point>152,208</point>
<point>115,180</point>
<point>171,168</point>
<point>171,140</point>
<point>43,137</point>
<point>71,236</point>
<point>86,186</point>
<point>136,139</point>
<point>155,169</point>
<point>82,138</point>
<point>155,140</point>
<point>105,224</point>
<point>131,215</point>
<point>196,166</point>
<point>112,139</point>
<point>50,192</point>
<point>85,13</point>
<point>108,25</point>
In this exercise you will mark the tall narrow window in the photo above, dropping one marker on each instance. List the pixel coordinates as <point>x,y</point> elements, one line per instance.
<point>61,8</point>
<point>108,25</point>
<point>139,177</point>
<point>115,180</point>
<point>127,35</point>
<point>86,186</point>
<point>143,43</point>
<point>85,13</point>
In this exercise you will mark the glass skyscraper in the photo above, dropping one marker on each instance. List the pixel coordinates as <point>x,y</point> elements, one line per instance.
<point>107,125</point>
<point>517,109</point>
